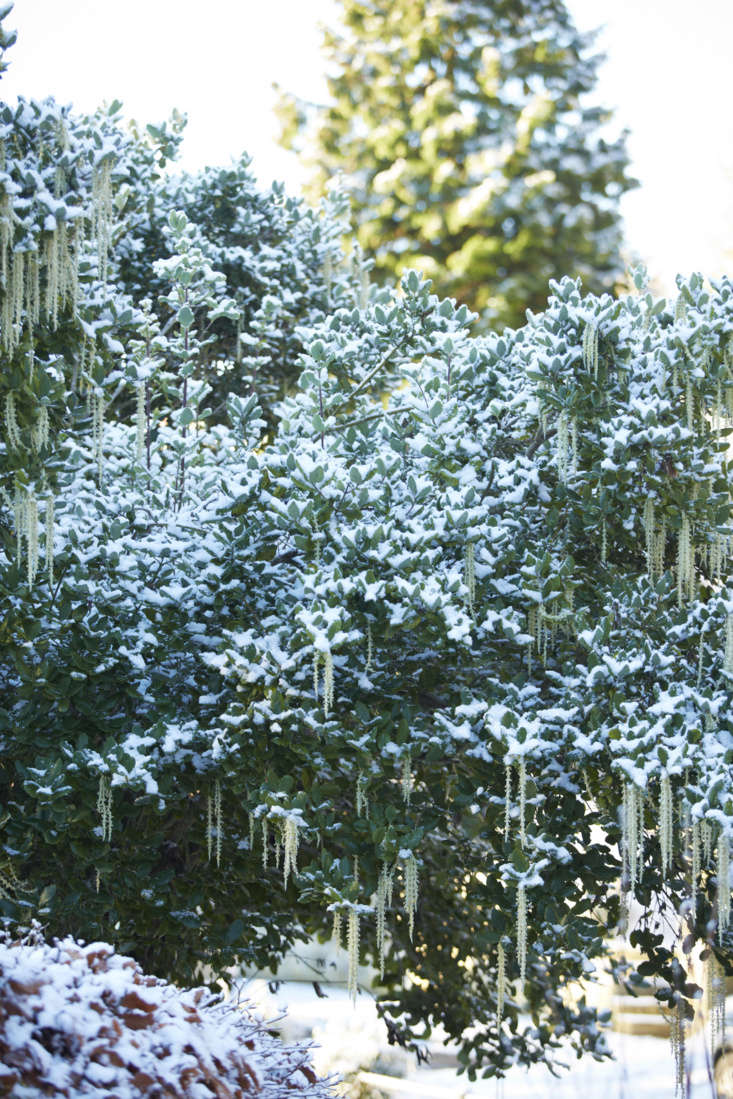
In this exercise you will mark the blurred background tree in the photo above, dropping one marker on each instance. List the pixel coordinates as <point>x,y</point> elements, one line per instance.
<point>472,152</point>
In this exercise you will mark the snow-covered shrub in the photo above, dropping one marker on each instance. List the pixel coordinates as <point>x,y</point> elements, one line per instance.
<point>82,1020</point>
<point>440,661</point>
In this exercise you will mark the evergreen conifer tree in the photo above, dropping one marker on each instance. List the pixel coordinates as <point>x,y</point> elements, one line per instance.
<point>467,138</point>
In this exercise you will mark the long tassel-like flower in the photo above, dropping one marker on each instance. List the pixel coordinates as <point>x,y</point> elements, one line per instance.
<point>500,983</point>
<point>590,348</point>
<point>49,530</point>
<point>290,848</point>
<point>723,875</point>
<point>104,807</point>
<point>382,889</point>
<point>469,578</point>
<point>665,824</point>
<point>411,891</point>
<point>406,779</point>
<point>522,802</point>
<point>352,945</point>
<point>522,934</point>
<point>677,1038</point>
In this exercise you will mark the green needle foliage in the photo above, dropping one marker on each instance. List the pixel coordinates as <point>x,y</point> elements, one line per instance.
<point>471,147</point>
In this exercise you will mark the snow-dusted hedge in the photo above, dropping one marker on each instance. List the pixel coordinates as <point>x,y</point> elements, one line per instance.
<point>82,1020</point>
<point>436,652</point>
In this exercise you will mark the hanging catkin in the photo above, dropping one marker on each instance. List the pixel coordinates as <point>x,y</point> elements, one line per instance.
<point>728,653</point>
<point>715,989</point>
<point>695,864</point>
<point>563,447</point>
<point>370,650</point>
<point>265,837</point>
<point>522,802</point>
<point>522,934</point>
<point>689,404</point>
<point>290,848</point>
<point>104,807</point>
<point>352,945</point>
<point>49,531</point>
<point>411,891</point>
<point>685,563</point>
<point>590,348</point>
<point>102,213</point>
<point>31,533</point>
<point>336,927</point>
<point>469,578</point>
<point>218,819</point>
<point>12,432</point>
<point>406,777</point>
<point>500,983</point>
<point>677,1039</point>
<point>723,875</point>
<point>648,520</point>
<point>382,890</point>
<point>630,836</point>
<point>665,823</point>
<point>97,399</point>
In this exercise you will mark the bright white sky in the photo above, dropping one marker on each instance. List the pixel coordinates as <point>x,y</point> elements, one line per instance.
<point>667,76</point>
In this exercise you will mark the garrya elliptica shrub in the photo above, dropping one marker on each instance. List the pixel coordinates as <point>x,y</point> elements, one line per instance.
<point>440,663</point>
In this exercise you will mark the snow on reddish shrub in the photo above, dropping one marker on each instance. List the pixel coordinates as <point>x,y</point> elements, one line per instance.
<point>80,1020</point>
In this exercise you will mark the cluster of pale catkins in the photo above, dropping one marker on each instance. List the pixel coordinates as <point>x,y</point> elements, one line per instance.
<point>24,303</point>
<point>286,841</point>
<point>25,508</point>
<point>102,211</point>
<point>702,844</point>
<point>542,625</point>
<point>382,901</point>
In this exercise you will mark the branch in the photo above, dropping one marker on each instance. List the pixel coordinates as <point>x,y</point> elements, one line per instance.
<point>364,419</point>
<point>372,373</point>
<point>540,438</point>
<point>282,558</point>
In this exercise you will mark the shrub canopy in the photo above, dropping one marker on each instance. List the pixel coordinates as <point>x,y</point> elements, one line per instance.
<point>432,649</point>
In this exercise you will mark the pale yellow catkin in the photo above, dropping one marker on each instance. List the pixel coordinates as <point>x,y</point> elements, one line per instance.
<point>406,780</point>
<point>500,983</point>
<point>352,945</point>
<point>382,891</point>
<point>723,875</point>
<point>290,848</point>
<point>49,532</point>
<point>411,892</point>
<point>665,824</point>
<point>522,802</point>
<point>336,928</point>
<point>104,807</point>
<point>522,934</point>
<point>469,578</point>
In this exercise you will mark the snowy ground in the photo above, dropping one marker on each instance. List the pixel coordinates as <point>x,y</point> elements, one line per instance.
<point>351,1037</point>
